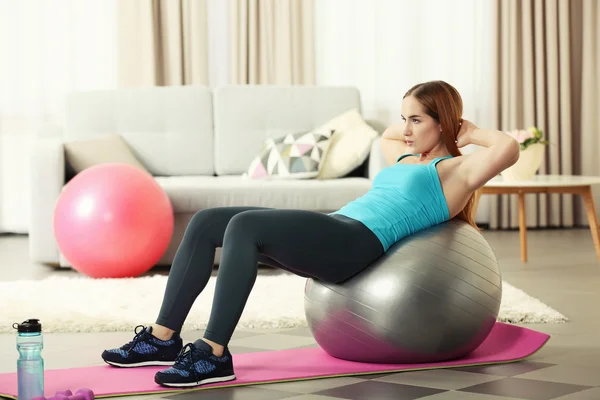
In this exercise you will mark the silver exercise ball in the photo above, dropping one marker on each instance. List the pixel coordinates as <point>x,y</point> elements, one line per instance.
<point>433,296</point>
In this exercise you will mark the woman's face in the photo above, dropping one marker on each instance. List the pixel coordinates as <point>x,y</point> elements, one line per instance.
<point>421,132</point>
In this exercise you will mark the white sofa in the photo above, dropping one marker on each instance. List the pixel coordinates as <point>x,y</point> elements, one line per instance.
<point>198,143</point>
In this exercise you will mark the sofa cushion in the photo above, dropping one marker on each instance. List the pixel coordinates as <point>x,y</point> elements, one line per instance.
<point>82,154</point>
<point>194,193</point>
<point>246,115</point>
<point>169,129</point>
<point>293,156</point>
<point>350,144</point>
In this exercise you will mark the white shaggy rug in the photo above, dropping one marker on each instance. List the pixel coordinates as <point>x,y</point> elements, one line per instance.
<point>80,304</point>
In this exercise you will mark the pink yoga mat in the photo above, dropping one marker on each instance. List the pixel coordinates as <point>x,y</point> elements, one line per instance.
<point>506,343</point>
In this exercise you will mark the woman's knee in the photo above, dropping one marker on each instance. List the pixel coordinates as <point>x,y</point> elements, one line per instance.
<point>220,215</point>
<point>246,223</point>
<point>206,216</point>
<point>205,222</point>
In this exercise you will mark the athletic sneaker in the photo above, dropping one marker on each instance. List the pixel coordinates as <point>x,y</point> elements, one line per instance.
<point>145,350</point>
<point>197,365</point>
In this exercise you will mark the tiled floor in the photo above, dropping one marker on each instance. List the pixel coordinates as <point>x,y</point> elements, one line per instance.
<point>563,272</point>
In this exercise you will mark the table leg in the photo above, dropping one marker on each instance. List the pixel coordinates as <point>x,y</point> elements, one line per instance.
<point>590,208</point>
<point>522,227</point>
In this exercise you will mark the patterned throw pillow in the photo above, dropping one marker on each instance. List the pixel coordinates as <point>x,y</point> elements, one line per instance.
<point>293,156</point>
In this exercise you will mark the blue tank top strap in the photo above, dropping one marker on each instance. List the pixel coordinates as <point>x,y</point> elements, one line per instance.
<point>405,155</point>
<point>433,162</point>
<point>437,160</point>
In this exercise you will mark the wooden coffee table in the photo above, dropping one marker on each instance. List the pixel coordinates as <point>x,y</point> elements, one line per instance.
<point>562,184</point>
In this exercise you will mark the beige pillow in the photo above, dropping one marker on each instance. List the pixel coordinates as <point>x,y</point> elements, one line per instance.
<point>85,153</point>
<point>350,144</point>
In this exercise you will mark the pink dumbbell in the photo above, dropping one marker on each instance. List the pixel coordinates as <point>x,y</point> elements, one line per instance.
<point>81,394</point>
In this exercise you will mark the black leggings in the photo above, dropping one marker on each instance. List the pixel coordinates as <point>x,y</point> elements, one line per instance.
<point>309,244</point>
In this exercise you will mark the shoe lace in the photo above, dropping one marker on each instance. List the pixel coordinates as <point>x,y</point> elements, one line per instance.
<point>187,356</point>
<point>137,338</point>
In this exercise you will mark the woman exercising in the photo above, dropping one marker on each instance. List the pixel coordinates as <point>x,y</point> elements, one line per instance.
<point>428,182</point>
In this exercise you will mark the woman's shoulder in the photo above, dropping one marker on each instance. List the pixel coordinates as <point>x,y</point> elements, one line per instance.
<point>449,168</point>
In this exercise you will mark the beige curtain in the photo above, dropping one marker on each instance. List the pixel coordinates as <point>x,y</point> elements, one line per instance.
<point>272,41</point>
<point>547,74</point>
<point>590,90</point>
<point>162,42</point>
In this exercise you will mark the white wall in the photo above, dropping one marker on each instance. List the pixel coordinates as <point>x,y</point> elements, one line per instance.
<point>56,47</point>
<point>48,48</point>
<point>218,42</point>
<point>385,46</point>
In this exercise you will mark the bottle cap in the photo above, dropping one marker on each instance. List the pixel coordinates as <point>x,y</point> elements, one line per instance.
<point>31,325</point>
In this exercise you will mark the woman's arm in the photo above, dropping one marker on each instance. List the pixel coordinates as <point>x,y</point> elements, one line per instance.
<point>500,152</point>
<point>393,144</point>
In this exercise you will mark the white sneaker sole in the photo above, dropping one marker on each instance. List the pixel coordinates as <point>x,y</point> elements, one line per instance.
<point>142,364</point>
<point>202,382</point>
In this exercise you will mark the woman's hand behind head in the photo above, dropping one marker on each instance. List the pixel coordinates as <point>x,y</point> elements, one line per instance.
<point>464,135</point>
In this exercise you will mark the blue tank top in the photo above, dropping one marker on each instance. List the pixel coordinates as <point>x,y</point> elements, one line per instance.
<point>403,199</point>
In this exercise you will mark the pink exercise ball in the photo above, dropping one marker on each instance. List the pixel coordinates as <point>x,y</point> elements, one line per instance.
<point>113,221</point>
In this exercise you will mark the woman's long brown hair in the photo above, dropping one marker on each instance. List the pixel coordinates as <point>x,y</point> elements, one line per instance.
<point>443,103</point>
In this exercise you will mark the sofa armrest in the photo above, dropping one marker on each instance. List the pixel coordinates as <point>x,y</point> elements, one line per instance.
<point>46,180</point>
<point>377,160</point>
